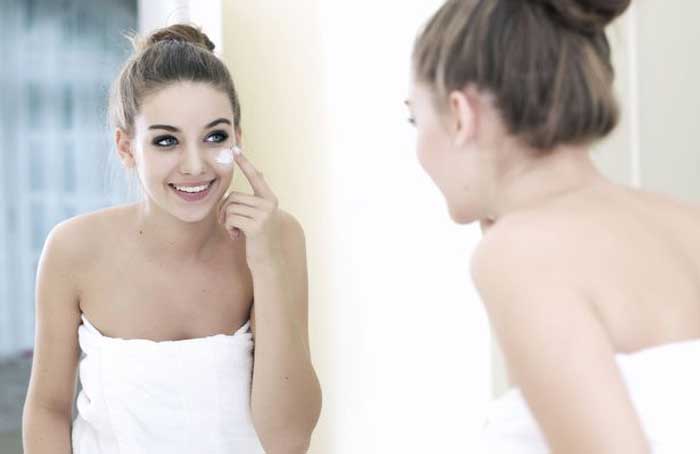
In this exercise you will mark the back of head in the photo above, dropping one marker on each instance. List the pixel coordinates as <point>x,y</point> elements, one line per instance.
<point>547,62</point>
<point>176,53</point>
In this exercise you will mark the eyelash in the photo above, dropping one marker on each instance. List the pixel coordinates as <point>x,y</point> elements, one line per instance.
<point>159,139</point>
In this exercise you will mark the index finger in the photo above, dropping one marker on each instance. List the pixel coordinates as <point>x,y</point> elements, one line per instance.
<point>257,182</point>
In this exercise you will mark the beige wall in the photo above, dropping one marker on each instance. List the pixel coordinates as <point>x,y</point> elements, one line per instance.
<point>273,51</point>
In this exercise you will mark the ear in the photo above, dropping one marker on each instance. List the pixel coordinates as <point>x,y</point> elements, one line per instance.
<point>463,117</point>
<point>124,149</point>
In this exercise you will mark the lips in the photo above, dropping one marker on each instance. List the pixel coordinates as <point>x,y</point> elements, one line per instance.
<point>194,196</point>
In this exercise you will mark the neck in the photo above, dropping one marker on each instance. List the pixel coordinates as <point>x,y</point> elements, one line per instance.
<point>170,238</point>
<point>536,181</point>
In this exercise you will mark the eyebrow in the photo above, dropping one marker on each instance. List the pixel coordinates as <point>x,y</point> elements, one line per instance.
<point>407,102</point>
<point>174,129</point>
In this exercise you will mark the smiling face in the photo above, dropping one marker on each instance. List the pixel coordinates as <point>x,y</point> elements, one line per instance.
<point>179,135</point>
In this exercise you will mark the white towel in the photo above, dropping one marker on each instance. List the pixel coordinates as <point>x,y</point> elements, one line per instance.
<point>171,397</point>
<point>664,385</point>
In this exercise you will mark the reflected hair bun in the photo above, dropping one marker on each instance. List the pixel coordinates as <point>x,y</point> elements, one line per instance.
<point>588,16</point>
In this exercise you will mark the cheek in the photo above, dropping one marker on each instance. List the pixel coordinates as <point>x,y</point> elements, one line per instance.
<point>156,166</point>
<point>424,151</point>
<point>432,151</point>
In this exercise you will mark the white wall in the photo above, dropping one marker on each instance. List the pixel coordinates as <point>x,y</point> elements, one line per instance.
<point>413,374</point>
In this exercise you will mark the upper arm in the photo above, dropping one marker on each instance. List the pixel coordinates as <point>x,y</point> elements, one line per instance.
<point>57,317</point>
<point>556,349</point>
<point>296,273</point>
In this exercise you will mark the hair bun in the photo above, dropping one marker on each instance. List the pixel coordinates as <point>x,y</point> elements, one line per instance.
<point>176,32</point>
<point>586,15</point>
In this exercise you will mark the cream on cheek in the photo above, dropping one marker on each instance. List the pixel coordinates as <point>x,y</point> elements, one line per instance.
<point>224,157</point>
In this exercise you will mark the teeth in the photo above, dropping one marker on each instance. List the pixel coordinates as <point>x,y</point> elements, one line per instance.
<point>192,188</point>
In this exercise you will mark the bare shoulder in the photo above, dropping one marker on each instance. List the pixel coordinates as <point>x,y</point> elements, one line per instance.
<point>292,230</point>
<point>82,237</point>
<point>659,198</point>
<point>70,249</point>
<point>683,214</point>
<point>528,270</point>
<point>553,242</point>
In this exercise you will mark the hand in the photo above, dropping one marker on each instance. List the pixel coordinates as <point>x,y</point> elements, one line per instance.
<point>257,216</point>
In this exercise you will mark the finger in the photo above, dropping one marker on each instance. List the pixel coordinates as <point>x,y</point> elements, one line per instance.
<point>255,178</point>
<point>242,199</point>
<point>246,199</point>
<point>220,207</point>
<point>243,210</point>
<point>240,222</point>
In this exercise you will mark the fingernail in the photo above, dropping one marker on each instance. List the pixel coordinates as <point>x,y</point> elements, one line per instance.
<point>236,150</point>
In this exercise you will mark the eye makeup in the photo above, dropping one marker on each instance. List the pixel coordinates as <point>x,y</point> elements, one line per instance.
<point>157,141</point>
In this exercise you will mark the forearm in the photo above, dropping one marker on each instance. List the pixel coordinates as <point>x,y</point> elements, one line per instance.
<point>45,431</point>
<point>286,395</point>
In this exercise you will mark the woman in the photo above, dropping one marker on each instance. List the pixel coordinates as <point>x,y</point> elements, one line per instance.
<point>171,291</point>
<point>592,288</point>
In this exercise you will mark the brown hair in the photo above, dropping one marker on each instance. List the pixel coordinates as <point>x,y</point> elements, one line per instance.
<point>547,62</point>
<point>176,53</point>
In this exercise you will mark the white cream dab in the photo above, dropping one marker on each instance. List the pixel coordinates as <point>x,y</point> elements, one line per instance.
<point>225,157</point>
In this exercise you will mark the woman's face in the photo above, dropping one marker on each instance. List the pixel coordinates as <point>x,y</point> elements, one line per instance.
<point>179,133</point>
<point>447,151</point>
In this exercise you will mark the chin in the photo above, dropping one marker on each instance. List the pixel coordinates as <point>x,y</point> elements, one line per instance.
<point>193,217</point>
<point>191,214</point>
<point>462,216</point>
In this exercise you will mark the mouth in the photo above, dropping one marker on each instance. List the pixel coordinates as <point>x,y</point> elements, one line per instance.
<point>193,193</point>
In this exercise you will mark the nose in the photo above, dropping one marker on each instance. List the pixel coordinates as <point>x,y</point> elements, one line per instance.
<point>192,162</point>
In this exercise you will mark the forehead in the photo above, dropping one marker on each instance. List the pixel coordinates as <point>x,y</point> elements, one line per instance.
<point>184,104</point>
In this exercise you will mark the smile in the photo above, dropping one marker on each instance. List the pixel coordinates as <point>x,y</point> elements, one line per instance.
<point>192,193</point>
<point>192,189</point>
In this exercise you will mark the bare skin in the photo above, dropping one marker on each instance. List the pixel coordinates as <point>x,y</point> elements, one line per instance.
<point>129,293</point>
<point>165,270</point>
<point>639,254</point>
<point>125,292</point>
<point>570,283</point>
<point>572,268</point>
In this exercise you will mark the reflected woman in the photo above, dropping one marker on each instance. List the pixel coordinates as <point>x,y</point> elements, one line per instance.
<point>166,296</point>
<point>592,287</point>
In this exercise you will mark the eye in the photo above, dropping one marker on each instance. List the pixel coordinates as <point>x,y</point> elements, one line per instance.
<point>159,141</point>
<point>219,136</point>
